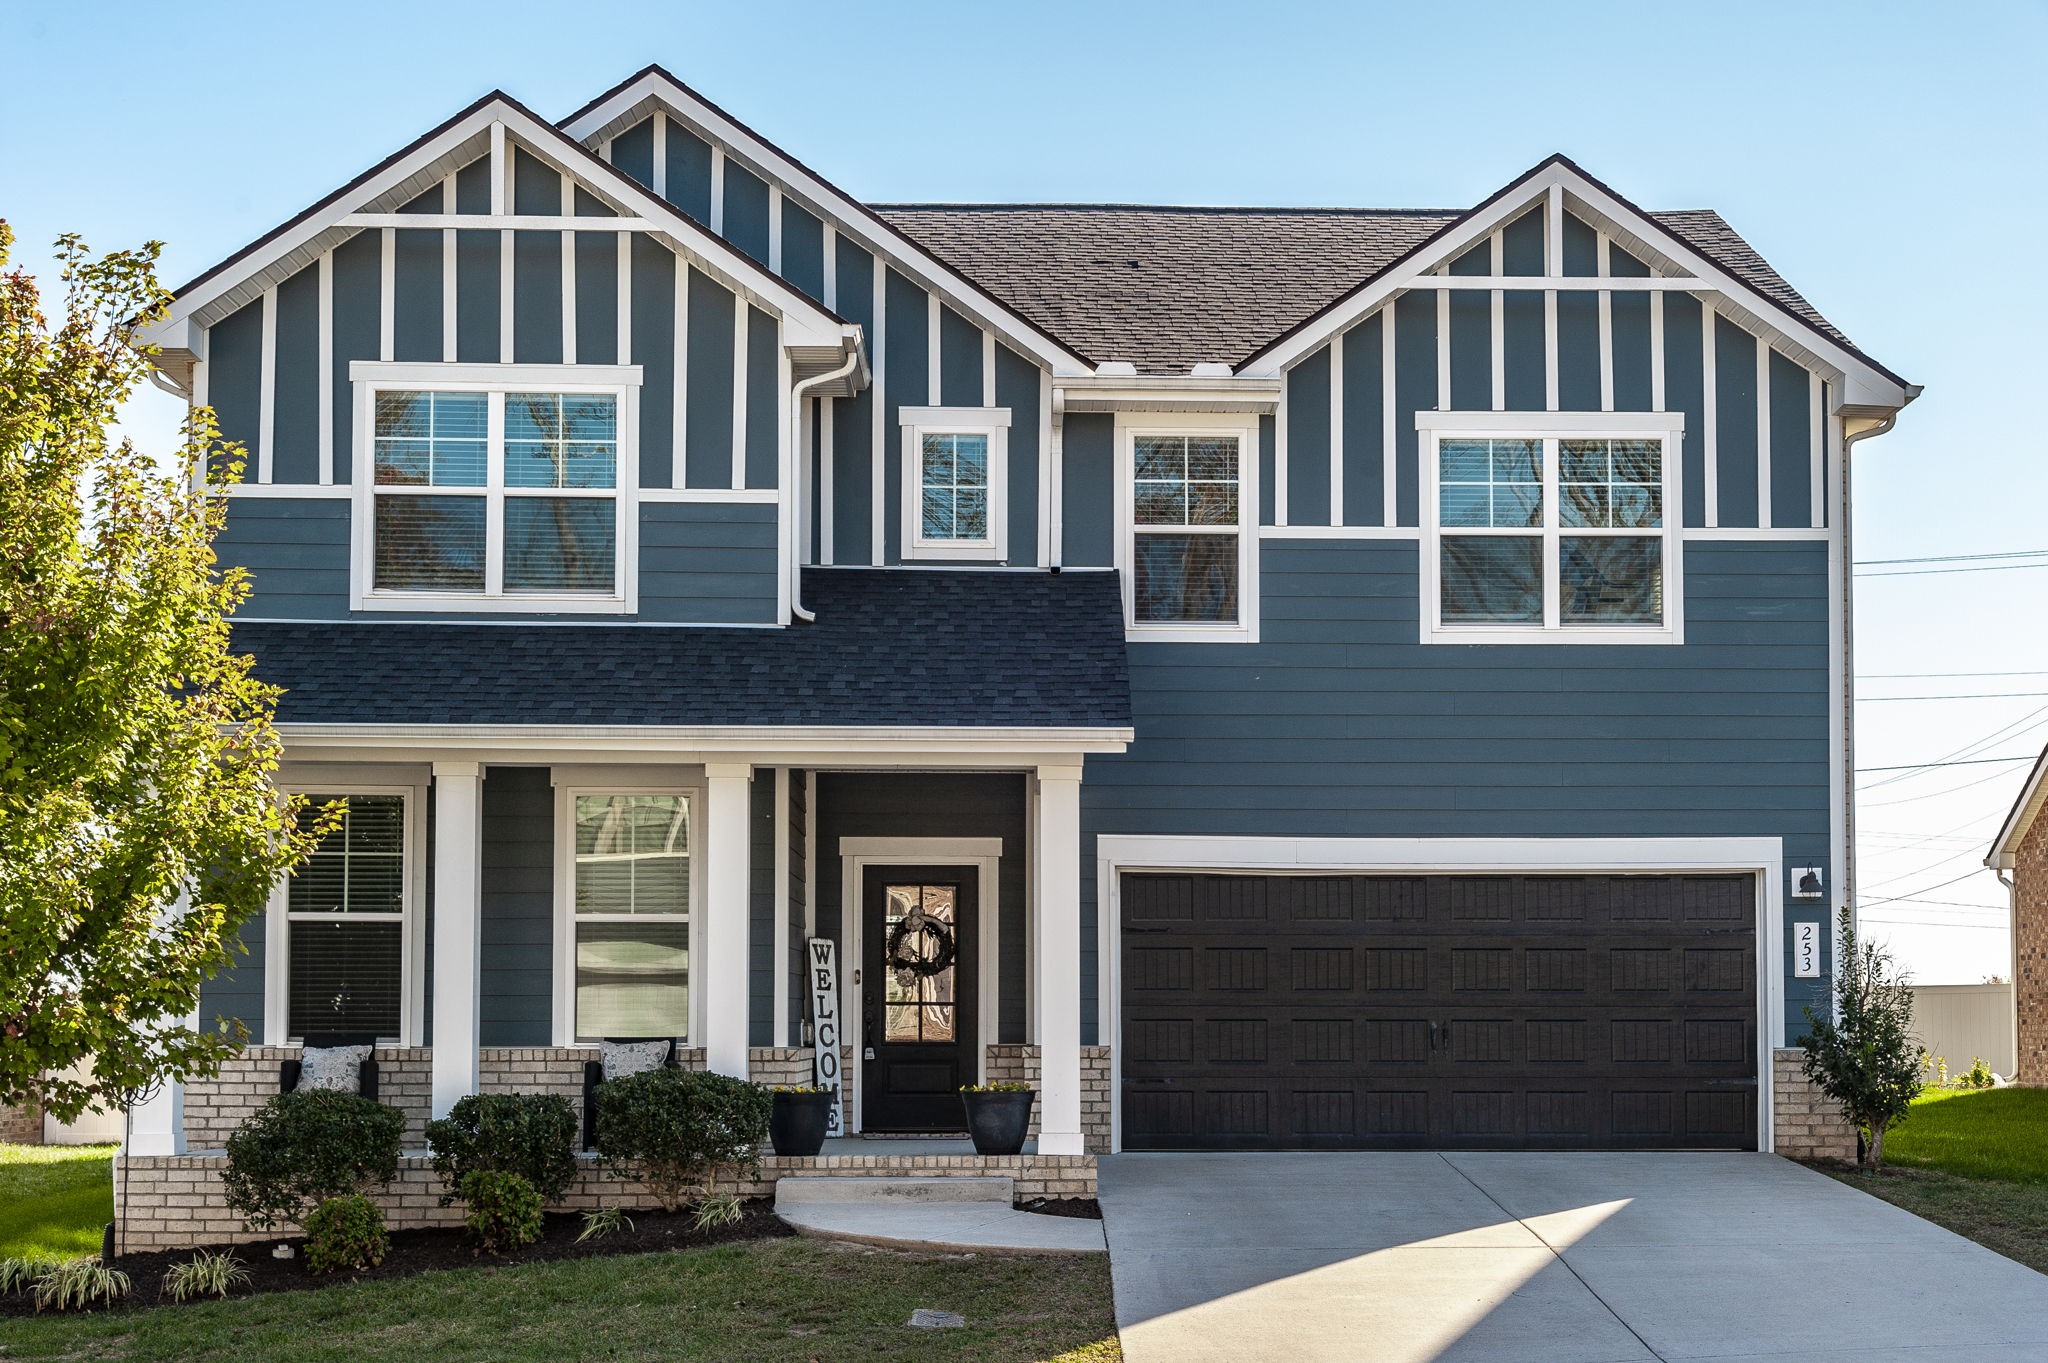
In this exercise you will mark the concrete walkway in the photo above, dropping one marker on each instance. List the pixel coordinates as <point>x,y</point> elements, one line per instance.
<point>1511,1258</point>
<point>971,1215</point>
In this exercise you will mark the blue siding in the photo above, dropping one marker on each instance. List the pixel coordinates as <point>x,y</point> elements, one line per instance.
<point>295,451</point>
<point>654,350</point>
<point>633,152</point>
<point>908,385</point>
<point>853,421</point>
<point>537,297</point>
<point>516,998</point>
<point>1735,430</point>
<point>597,297</point>
<point>689,172</point>
<point>803,249</point>
<point>1365,428</point>
<point>764,383</point>
<point>1631,331</point>
<point>1521,244</point>
<point>1088,490</point>
<point>959,361</point>
<point>708,562</point>
<point>761,908</point>
<point>1339,723</point>
<point>708,437</point>
<point>416,296</point>
<point>934,805</point>
<point>1017,388</point>
<point>296,551</point>
<point>1414,389</point>
<point>1685,391</point>
<point>1791,443</point>
<point>1308,440</point>
<point>1472,336</point>
<point>234,996</point>
<point>746,210</point>
<point>477,275</point>
<point>358,309</point>
<point>234,377</point>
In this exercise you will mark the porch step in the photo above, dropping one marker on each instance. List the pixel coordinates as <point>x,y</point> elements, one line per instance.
<point>813,1189</point>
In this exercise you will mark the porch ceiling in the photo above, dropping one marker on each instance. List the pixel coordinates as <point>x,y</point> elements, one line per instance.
<point>898,649</point>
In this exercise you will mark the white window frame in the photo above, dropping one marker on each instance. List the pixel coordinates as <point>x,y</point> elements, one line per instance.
<point>693,789</point>
<point>994,424</point>
<point>1244,428</point>
<point>412,952</point>
<point>622,382</point>
<point>1551,427</point>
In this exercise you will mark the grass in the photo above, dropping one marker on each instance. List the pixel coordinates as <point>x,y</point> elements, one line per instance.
<point>1984,1133</point>
<point>767,1300</point>
<point>1975,1162</point>
<point>54,1199</point>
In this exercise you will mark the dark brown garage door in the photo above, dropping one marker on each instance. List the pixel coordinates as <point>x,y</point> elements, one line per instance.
<point>1387,1012</point>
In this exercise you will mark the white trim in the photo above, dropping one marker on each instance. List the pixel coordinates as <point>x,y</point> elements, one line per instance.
<point>449,293</point>
<point>1245,430</point>
<point>326,361</point>
<point>623,309</point>
<point>1816,435</point>
<point>1604,246</point>
<point>679,433</point>
<point>878,444</point>
<point>933,326</point>
<point>1337,429</point>
<point>1568,283</point>
<point>621,382</point>
<point>988,368</point>
<point>1339,532</point>
<point>741,327</point>
<point>779,1020</point>
<point>1666,427</point>
<point>568,238</point>
<point>1497,332</point>
<point>1281,490</point>
<point>774,228</point>
<point>289,491</point>
<point>1443,349</point>
<point>1390,447</point>
<point>993,423</point>
<point>1051,440</point>
<point>827,508</point>
<point>1710,418</point>
<point>660,167</point>
<point>296,780</point>
<point>1763,434</point>
<point>856,855</point>
<point>505,298</point>
<point>1657,352</point>
<point>568,784</point>
<point>387,294</point>
<point>717,190</point>
<point>266,392</point>
<point>1764,857</point>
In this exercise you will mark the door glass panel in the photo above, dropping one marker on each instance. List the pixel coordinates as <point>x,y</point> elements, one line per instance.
<point>919,954</point>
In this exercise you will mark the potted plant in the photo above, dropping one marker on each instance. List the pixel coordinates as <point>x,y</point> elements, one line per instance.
<point>998,1116</point>
<point>798,1119</point>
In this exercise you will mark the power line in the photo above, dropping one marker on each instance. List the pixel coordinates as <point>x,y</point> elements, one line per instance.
<point>1939,572</point>
<point>1894,899</point>
<point>1974,695</point>
<point>1930,795</point>
<point>1950,558</point>
<point>1965,762</point>
<point>1922,676</point>
<point>2025,724</point>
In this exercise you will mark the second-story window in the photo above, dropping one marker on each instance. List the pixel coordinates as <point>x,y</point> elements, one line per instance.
<point>508,496</point>
<point>1188,500</point>
<point>955,483</point>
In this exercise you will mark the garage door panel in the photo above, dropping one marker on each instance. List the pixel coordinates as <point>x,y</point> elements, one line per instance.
<point>1546,1012</point>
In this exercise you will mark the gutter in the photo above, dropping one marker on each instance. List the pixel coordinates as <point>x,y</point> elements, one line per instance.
<point>797,393</point>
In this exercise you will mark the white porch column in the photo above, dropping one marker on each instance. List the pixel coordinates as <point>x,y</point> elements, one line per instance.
<point>1056,950</point>
<point>156,1126</point>
<point>718,967</point>
<point>458,914</point>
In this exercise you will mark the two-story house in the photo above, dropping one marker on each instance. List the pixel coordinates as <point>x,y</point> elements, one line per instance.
<point>1279,678</point>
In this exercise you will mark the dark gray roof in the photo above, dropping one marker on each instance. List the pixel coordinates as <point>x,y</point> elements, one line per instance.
<point>906,647</point>
<point>1166,288</point>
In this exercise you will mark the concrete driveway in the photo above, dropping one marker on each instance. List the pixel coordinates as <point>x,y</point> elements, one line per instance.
<point>1511,1258</point>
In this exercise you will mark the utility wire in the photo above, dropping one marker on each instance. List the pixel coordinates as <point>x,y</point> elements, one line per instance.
<point>1973,695</point>
<point>1921,676</point>
<point>1965,762</point>
<point>1950,558</point>
<point>1894,899</point>
<point>1975,746</point>
<point>1939,572</point>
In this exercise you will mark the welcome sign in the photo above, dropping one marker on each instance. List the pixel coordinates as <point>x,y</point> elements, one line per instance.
<point>823,956</point>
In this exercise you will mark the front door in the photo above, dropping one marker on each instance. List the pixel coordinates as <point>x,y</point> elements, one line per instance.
<point>918,943</point>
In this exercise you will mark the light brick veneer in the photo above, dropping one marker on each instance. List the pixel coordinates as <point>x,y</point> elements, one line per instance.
<point>174,1201</point>
<point>2030,953</point>
<point>1806,1123</point>
<point>22,1125</point>
<point>215,1108</point>
<point>1012,1064</point>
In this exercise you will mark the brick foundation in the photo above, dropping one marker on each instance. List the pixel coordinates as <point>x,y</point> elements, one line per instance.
<point>22,1125</point>
<point>1011,1064</point>
<point>2030,954</point>
<point>1806,1124</point>
<point>175,1201</point>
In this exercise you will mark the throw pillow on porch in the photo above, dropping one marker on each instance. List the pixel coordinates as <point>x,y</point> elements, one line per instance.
<point>622,1058</point>
<point>331,1067</point>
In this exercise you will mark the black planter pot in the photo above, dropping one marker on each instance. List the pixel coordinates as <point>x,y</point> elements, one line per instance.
<point>797,1122</point>
<point>998,1121</point>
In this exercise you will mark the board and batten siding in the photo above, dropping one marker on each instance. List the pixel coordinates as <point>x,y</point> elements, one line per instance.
<point>277,375</point>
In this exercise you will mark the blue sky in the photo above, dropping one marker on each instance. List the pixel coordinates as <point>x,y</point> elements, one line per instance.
<point>1885,157</point>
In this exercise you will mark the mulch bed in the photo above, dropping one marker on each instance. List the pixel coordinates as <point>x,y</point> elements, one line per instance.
<point>1082,1208</point>
<point>419,1251</point>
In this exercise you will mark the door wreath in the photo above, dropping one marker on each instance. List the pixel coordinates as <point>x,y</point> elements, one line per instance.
<point>934,953</point>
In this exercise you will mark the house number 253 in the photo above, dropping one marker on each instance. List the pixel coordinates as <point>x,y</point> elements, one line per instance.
<point>1806,950</point>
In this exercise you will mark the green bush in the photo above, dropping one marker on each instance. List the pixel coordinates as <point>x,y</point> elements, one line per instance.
<point>678,1130</point>
<point>300,1149</point>
<point>529,1134</point>
<point>1860,1049</point>
<point>345,1232</point>
<point>1978,1076</point>
<point>504,1210</point>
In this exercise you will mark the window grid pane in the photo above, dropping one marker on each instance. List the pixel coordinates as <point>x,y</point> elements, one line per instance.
<point>633,854</point>
<point>1611,484</point>
<point>632,979</point>
<point>561,440</point>
<point>560,544</point>
<point>1610,580</point>
<point>431,439</point>
<point>1490,484</point>
<point>429,544</point>
<point>358,867</point>
<point>954,487</point>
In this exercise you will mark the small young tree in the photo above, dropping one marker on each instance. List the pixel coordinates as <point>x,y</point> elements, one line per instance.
<point>138,822</point>
<point>1861,1051</point>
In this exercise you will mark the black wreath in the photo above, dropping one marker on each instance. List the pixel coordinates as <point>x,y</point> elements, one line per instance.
<point>943,946</point>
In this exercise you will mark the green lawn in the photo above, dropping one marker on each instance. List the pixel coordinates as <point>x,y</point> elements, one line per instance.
<point>1987,1133</point>
<point>54,1199</point>
<point>766,1300</point>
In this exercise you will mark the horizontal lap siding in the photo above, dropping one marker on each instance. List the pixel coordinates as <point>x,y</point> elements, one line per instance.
<point>1338,723</point>
<point>708,563</point>
<point>296,552</point>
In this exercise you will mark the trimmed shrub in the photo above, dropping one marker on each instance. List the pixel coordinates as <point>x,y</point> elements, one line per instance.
<point>345,1233</point>
<point>301,1149</point>
<point>677,1130</point>
<point>532,1135</point>
<point>504,1210</point>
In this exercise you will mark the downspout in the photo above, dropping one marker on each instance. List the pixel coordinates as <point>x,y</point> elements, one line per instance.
<point>797,394</point>
<point>1848,874</point>
<point>2012,958</point>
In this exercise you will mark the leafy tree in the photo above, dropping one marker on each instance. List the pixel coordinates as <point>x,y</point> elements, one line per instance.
<point>1861,1051</point>
<point>139,826</point>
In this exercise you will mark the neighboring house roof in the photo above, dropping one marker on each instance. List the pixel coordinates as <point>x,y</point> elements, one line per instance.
<point>930,648</point>
<point>1165,288</point>
<point>2005,849</point>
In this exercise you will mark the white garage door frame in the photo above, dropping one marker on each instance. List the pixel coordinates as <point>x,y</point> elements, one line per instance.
<point>1116,853</point>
